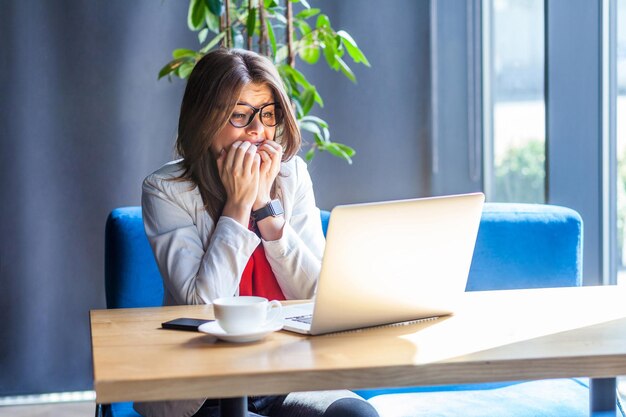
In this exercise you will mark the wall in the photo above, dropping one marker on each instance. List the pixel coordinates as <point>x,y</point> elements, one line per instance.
<point>385,116</point>
<point>83,120</point>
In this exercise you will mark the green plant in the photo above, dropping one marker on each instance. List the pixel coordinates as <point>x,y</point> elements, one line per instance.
<point>520,176</point>
<point>257,25</point>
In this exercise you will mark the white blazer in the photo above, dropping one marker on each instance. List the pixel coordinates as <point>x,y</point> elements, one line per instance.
<point>200,260</point>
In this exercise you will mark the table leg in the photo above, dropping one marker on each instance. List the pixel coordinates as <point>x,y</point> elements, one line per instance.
<point>602,397</point>
<point>234,407</point>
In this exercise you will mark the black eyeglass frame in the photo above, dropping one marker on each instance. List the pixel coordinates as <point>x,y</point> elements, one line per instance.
<point>258,111</point>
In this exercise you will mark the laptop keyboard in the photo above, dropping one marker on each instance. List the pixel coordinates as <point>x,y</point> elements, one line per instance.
<point>303,319</point>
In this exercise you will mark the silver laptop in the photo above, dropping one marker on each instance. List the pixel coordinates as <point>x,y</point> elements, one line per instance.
<point>391,262</point>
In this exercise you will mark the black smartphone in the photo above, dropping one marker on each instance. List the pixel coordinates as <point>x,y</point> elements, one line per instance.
<point>184,323</point>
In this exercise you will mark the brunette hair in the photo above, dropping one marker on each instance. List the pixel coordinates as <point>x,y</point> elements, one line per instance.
<point>212,91</point>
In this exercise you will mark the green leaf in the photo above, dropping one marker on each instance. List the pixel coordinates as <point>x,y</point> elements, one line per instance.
<point>296,102</point>
<point>319,141</point>
<point>287,75</point>
<point>202,35</point>
<point>353,50</point>
<point>251,22</point>
<point>303,27</point>
<point>335,150</point>
<point>339,45</point>
<point>212,22</point>
<point>268,4</point>
<point>305,4</point>
<point>306,13</point>
<point>310,127</point>
<point>299,78</point>
<point>326,134</point>
<point>322,21</point>
<point>332,42</point>
<point>280,18</point>
<point>179,53</point>
<point>318,99</point>
<point>310,154</point>
<point>172,66</point>
<point>309,52</point>
<point>307,99</point>
<point>185,69</point>
<point>195,15</point>
<point>345,69</point>
<point>165,71</point>
<point>216,39</point>
<point>270,35</point>
<point>314,119</point>
<point>330,53</point>
<point>281,54</point>
<point>347,149</point>
<point>216,7</point>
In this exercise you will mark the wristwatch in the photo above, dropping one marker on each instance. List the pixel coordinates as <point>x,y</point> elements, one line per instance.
<point>273,208</point>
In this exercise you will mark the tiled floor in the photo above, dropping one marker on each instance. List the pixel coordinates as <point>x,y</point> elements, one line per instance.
<point>78,409</point>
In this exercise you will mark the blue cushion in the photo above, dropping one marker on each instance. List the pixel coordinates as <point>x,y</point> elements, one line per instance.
<point>373,392</point>
<point>121,410</point>
<point>325,215</point>
<point>131,275</point>
<point>551,398</point>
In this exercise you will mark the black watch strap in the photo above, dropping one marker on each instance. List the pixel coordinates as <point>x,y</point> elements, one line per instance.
<point>273,208</point>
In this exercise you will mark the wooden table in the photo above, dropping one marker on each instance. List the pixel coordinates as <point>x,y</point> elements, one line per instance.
<point>494,336</point>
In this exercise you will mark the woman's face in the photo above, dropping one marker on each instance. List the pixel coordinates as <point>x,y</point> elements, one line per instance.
<point>255,95</point>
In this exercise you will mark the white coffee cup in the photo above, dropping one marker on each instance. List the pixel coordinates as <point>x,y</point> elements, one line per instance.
<point>238,315</point>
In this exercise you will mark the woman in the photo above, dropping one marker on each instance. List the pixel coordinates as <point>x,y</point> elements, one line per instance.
<point>237,215</point>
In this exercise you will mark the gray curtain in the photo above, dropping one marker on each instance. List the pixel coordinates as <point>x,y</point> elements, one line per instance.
<point>83,119</point>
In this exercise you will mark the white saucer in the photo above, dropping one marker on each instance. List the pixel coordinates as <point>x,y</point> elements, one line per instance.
<point>214,329</point>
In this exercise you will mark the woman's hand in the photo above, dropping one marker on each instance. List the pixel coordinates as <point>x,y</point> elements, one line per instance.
<point>271,154</point>
<point>239,170</point>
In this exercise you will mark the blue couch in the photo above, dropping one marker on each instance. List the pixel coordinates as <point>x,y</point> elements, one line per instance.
<point>518,246</point>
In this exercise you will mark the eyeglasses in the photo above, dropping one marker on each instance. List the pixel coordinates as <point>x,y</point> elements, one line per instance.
<point>270,114</point>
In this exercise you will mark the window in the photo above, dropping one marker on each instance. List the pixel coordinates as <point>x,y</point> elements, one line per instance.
<point>514,100</point>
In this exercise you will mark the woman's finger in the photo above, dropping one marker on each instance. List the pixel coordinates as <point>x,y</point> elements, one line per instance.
<point>240,155</point>
<point>269,148</point>
<point>273,144</point>
<point>274,149</point>
<point>265,157</point>
<point>230,156</point>
<point>256,164</point>
<point>276,157</point>
<point>248,158</point>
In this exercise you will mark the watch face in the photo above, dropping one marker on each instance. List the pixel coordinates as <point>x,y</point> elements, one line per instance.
<point>276,208</point>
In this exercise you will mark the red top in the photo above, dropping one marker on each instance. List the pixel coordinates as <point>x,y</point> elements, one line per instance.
<point>258,278</point>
